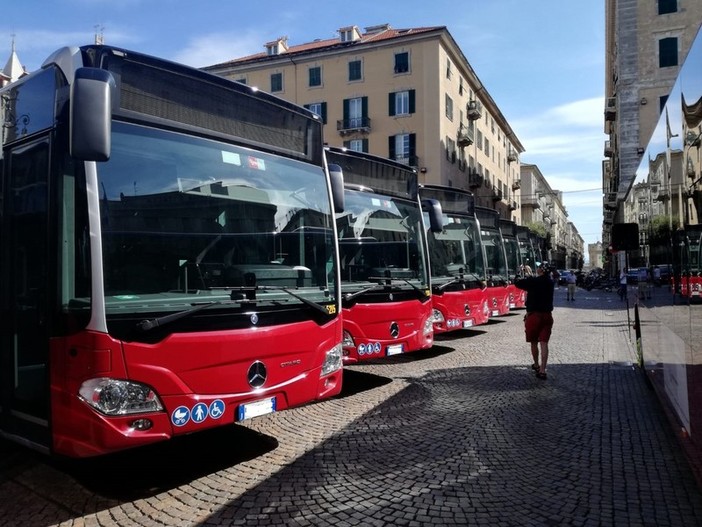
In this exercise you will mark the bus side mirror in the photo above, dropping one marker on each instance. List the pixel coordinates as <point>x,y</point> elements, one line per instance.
<point>336,178</point>
<point>436,215</point>
<point>91,114</point>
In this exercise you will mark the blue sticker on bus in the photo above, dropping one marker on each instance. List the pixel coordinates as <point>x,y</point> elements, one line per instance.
<point>199,413</point>
<point>180,416</point>
<point>216,409</point>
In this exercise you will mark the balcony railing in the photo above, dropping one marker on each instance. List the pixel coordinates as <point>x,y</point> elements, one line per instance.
<point>353,124</point>
<point>466,136</point>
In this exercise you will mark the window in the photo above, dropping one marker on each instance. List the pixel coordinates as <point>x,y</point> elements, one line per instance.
<point>355,113</point>
<point>355,70</point>
<point>242,80</point>
<point>449,72</point>
<point>460,86</point>
<point>401,103</point>
<point>668,52</point>
<point>402,62</point>
<point>276,82</point>
<point>667,6</point>
<point>357,145</point>
<point>449,107</point>
<point>315,76</point>
<point>320,108</point>
<point>402,148</point>
<point>479,139</point>
<point>450,149</point>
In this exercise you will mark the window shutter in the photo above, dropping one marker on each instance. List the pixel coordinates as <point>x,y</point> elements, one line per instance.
<point>391,104</point>
<point>411,101</point>
<point>364,142</point>
<point>364,107</point>
<point>412,145</point>
<point>391,147</point>
<point>346,111</point>
<point>324,113</point>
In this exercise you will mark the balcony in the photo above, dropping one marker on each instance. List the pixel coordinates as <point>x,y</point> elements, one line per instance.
<point>475,180</point>
<point>516,185</point>
<point>611,109</point>
<point>513,205</point>
<point>465,136</point>
<point>496,194</point>
<point>354,124</point>
<point>512,156</point>
<point>474,110</point>
<point>608,150</point>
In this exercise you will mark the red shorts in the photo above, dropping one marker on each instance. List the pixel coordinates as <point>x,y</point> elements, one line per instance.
<point>537,326</point>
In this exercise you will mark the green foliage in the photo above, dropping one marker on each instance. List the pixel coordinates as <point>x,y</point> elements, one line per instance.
<point>537,228</point>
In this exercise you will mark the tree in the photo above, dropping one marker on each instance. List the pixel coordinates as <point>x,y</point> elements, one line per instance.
<point>537,228</point>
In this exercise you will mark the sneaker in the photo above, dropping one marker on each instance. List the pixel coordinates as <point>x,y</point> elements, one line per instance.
<point>535,367</point>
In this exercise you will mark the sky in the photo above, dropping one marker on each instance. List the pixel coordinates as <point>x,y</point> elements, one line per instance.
<point>542,61</point>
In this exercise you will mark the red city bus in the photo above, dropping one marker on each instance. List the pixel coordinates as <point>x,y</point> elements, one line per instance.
<point>385,282</point>
<point>509,230</point>
<point>457,260</point>
<point>690,257</point>
<point>170,260</point>
<point>496,274</point>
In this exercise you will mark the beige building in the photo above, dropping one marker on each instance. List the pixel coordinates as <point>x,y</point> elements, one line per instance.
<point>406,94</point>
<point>646,43</point>
<point>542,208</point>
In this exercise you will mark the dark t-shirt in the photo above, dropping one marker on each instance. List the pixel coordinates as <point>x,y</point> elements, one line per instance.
<point>539,293</point>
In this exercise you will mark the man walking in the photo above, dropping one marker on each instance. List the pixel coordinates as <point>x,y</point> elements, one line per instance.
<point>538,320</point>
<point>571,286</point>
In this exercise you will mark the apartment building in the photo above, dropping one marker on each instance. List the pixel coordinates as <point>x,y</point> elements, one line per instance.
<point>542,210</point>
<point>646,43</point>
<point>406,94</point>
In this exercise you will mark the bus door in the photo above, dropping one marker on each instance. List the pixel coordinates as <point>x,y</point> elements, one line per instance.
<point>24,269</point>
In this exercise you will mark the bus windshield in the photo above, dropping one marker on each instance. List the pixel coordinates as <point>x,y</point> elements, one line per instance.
<point>513,255</point>
<point>380,238</point>
<point>188,220</point>
<point>457,249</point>
<point>494,253</point>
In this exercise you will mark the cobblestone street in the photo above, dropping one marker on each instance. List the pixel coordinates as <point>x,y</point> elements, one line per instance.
<point>462,434</point>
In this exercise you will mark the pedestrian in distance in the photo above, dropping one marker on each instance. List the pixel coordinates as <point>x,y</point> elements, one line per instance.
<point>538,321</point>
<point>571,286</point>
<point>622,283</point>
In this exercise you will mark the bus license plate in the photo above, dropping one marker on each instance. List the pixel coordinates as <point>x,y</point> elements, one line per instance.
<point>467,323</point>
<point>262,407</point>
<point>394,349</point>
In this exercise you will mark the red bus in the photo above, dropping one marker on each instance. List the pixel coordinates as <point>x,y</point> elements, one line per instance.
<point>691,262</point>
<point>385,282</point>
<point>457,259</point>
<point>169,256</point>
<point>509,230</point>
<point>496,274</point>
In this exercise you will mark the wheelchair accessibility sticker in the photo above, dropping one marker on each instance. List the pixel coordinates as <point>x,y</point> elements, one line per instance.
<point>199,413</point>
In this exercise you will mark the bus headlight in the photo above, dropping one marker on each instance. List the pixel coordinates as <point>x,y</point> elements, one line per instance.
<point>348,341</point>
<point>117,397</point>
<point>429,326</point>
<point>437,316</point>
<point>332,361</point>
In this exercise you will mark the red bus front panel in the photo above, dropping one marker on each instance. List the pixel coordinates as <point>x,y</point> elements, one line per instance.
<point>460,309</point>
<point>498,300</point>
<point>373,328</point>
<point>202,379</point>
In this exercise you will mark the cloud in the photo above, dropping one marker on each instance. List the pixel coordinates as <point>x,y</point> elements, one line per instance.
<point>216,48</point>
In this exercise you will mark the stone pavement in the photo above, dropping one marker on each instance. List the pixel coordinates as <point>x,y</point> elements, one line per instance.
<point>463,434</point>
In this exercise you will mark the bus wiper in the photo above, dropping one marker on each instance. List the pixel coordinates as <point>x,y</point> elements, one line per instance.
<point>306,301</point>
<point>149,324</point>
<point>351,296</point>
<point>419,290</point>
